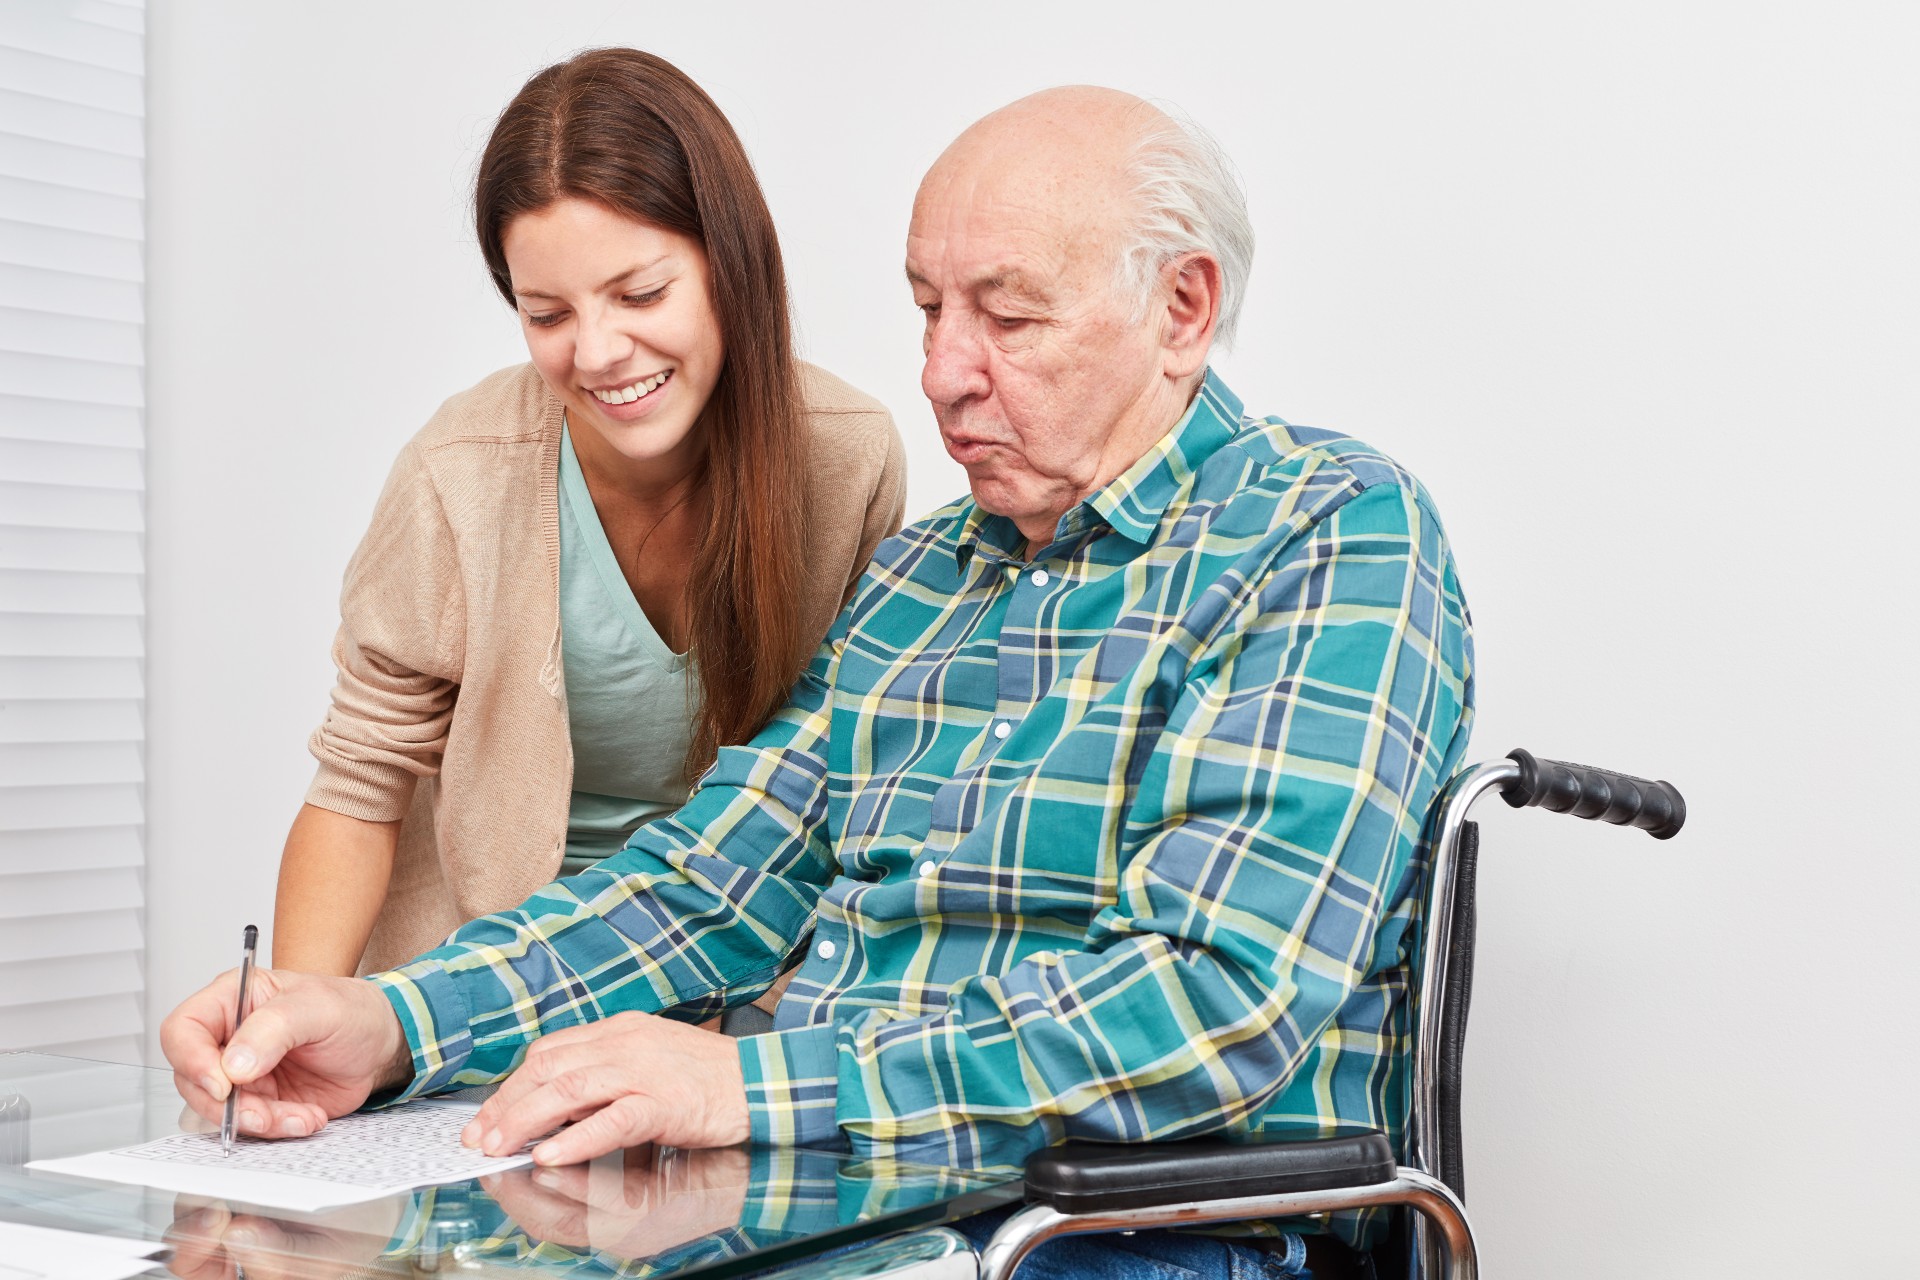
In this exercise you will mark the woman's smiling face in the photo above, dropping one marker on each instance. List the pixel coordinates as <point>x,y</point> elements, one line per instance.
<point>619,320</point>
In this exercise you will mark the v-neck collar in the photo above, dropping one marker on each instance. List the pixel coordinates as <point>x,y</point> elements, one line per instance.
<point>599,553</point>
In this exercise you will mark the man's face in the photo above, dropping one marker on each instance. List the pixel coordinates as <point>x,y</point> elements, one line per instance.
<point>1038,374</point>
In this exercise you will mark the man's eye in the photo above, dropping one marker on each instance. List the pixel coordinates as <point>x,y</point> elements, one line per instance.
<point>645,299</point>
<point>929,309</point>
<point>1009,322</point>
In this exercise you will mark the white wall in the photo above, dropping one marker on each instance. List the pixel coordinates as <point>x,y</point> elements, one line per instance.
<point>1632,287</point>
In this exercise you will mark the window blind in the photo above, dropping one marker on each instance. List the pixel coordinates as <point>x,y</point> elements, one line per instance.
<point>72,526</point>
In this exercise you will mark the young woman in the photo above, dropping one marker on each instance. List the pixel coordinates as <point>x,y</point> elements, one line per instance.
<point>587,573</point>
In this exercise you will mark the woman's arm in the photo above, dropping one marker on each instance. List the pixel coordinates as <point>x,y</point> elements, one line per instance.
<point>398,653</point>
<point>333,880</point>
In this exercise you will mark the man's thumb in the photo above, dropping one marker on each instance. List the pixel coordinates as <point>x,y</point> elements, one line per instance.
<point>257,1047</point>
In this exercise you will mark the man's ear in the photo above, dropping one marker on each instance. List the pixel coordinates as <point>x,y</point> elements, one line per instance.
<point>1193,312</point>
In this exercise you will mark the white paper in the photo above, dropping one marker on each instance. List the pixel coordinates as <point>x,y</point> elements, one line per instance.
<point>44,1253</point>
<point>358,1157</point>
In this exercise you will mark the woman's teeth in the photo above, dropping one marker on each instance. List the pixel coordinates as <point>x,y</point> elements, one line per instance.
<point>627,395</point>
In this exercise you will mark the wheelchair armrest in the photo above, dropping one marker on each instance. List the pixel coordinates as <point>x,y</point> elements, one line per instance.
<point>1096,1177</point>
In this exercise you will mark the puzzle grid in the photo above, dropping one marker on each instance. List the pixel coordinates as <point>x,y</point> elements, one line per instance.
<point>408,1146</point>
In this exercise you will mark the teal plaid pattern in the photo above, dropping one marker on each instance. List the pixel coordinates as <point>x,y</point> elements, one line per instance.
<point>1122,841</point>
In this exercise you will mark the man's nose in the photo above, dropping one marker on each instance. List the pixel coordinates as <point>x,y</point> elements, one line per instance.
<point>600,344</point>
<point>956,367</point>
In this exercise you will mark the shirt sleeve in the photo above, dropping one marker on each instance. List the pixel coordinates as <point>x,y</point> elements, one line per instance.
<point>1265,850</point>
<point>697,913</point>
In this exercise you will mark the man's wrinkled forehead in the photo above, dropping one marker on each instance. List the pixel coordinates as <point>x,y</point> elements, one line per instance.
<point>1012,230</point>
<point>1019,283</point>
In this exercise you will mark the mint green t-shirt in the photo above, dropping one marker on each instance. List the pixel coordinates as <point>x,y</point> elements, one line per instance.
<point>630,699</point>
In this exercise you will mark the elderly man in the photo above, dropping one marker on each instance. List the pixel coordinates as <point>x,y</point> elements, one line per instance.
<point>1096,814</point>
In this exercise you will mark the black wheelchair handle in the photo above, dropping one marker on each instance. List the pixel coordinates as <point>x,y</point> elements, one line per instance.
<point>1585,792</point>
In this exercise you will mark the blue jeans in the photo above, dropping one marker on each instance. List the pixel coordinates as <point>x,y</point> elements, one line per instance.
<point>1146,1255</point>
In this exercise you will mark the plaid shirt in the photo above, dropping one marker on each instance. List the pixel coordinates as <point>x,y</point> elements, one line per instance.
<point>1119,841</point>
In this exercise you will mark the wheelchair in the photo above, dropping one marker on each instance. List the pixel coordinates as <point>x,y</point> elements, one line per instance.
<point>1083,1187</point>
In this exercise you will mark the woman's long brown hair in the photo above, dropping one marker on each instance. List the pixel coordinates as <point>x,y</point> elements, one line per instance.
<point>632,132</point>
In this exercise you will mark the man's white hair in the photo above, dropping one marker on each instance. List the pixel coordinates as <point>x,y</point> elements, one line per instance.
<point>1187,199</point>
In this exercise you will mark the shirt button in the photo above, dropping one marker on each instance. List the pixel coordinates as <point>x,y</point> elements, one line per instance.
<point>1038,577</point>
<point>825,950</point>
<point>926,869</point>
<point>1002,729</point>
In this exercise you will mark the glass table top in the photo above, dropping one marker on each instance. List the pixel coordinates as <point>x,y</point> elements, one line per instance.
<point>647,1212</point>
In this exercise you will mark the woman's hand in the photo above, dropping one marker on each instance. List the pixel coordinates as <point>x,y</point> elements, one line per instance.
<point>312,1048</point>
<point>630,1080</point>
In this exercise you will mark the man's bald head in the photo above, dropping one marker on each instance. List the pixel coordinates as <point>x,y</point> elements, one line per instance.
<point>1075,253</point>
<point>1070,147</point>
<point>1148,185</point>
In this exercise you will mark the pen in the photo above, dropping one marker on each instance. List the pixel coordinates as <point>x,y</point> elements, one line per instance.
<point>247,945</point>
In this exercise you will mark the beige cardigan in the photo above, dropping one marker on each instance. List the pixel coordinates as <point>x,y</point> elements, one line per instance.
<point>450,713</point>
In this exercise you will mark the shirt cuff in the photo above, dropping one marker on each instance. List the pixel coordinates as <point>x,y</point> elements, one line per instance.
<point>435,1019</point>
<point>793,1081</point>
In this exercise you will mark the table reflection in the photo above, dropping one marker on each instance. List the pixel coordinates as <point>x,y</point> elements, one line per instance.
<point>646,1212</point>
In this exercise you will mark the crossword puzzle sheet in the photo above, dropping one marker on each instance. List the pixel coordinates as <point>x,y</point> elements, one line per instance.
<point>356,1157</point>
<point>408,1146</point>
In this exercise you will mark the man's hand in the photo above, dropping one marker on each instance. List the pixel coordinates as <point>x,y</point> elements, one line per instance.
<point>311,1049</point>
<point>652,1201</point>
<point>631,1079</point>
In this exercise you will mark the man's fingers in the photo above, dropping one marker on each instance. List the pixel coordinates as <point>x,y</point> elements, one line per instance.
<point>532,1074</point>
<point>264,1038</point>
<point>194,1034</point>
<point>202,1103</point>
<point>500,1104</point>
<point>626,1122</point>
<point>262,1117</point>
<point>539,1071</point>
<point>567,1097</point>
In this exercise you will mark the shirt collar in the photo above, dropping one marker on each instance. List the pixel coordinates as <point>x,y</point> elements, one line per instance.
<point>1132,504</point>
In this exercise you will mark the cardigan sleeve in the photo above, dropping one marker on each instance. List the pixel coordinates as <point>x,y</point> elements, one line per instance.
<point>886,503</point>
<point>399,653</point>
